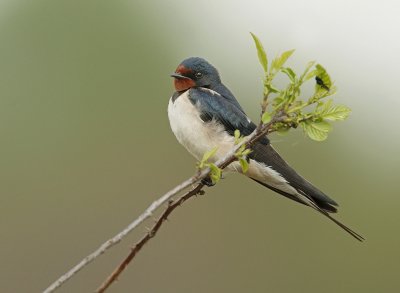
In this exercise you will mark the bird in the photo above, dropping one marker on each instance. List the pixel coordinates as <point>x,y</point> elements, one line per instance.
<point>204,114</point>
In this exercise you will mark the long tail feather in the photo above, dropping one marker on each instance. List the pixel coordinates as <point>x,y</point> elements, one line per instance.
<point>310,202</point>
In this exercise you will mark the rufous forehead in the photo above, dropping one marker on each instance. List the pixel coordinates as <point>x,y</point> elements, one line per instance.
<point>183,70</point>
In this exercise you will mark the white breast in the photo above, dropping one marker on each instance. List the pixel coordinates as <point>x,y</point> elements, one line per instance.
<point>193,133</point>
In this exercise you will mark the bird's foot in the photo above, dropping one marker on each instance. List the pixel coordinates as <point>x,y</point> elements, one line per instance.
<point>207,181</point>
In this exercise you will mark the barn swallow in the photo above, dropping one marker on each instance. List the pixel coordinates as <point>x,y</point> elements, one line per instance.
<point>204,114</point>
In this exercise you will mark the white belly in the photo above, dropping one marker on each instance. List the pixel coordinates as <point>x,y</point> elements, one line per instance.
<point>193,133</point>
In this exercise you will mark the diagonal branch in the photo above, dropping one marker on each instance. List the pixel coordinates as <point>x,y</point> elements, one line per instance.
<point>172,205</point>
<point>222,163</point>
<point>117,238</point>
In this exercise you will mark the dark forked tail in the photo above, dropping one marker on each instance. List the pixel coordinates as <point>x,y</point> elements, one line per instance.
<point>321,207</point>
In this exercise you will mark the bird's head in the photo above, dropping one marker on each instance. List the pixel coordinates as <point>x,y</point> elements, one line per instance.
<point>195,72</point>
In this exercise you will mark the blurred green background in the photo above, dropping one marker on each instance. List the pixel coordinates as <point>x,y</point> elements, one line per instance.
<point>86,146</point>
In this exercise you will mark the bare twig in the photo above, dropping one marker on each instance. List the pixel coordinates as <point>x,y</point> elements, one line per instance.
<point>117,238</point>
<point>222,163</point>
<point>150,234</point>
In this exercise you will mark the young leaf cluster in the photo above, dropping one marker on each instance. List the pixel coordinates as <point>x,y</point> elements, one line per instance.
<point>313,114</point>
<point>242,153</point>
<point>216,172</point>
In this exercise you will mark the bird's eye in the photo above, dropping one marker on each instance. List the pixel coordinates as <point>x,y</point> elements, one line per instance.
<point>198,74</point>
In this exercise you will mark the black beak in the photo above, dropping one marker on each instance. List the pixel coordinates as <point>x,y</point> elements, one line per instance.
<point>179,76</point>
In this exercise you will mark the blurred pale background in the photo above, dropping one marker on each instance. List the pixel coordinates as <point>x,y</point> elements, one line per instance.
<point>86,146</point>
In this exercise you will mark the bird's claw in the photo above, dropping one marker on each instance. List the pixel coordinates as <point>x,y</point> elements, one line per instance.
<point>207,181</point>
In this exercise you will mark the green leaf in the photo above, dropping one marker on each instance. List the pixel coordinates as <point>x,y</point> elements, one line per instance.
<point>339,112</point>
<point>269,88</point>
<point>282,130</point>
<point>305,73</point>
<point>278,101</point>
<point>266,117</point>
<point>322,126</point>
<point>237,136</point>
<point>316,130</point>
<point>240,150</point>
<point>246,152</point>
<point>244,164</point>
<point>208,155</point>
<point>262,56</point>
<point>323,78</point>
<point>215,173</point>
<point>323,107</point>
<point>311,74</point>
<point>277,63</point>
<point>290,73</point>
